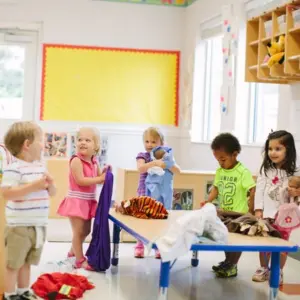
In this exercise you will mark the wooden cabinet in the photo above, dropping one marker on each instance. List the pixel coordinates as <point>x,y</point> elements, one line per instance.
<point>59,170</point>
<point>282,21</point>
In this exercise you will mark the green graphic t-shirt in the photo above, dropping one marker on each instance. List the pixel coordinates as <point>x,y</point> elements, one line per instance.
<point>233,185</point>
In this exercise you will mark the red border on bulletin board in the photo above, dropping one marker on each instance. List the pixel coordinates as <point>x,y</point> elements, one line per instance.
<point>46,76</point>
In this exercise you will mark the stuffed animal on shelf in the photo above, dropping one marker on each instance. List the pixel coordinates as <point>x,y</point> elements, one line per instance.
<point>143,207</point>
<point>276,51</point>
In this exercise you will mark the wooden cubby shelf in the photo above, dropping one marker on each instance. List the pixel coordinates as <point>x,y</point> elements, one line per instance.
<point>295,57</point>
<point>266,28</point>
<point>254,43</point>
<point>295,30</point>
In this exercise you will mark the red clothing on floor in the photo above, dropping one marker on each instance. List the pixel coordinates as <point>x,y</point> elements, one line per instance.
<point>49,283</point>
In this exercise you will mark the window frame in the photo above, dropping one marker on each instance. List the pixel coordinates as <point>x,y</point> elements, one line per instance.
<point>208,30</point>
<point>253,104</point>
<point>27,36</point>
<point>252,115</point>
<point>202,101</point>
<point>207,91</point>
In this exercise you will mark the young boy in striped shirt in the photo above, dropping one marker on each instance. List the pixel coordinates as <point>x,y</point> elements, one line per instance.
<point>26,186</point>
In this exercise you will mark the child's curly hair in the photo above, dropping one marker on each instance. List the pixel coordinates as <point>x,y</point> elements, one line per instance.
<point>227,143</point>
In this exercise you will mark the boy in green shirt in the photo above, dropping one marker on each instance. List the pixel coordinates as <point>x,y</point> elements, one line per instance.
<point>233,182</point>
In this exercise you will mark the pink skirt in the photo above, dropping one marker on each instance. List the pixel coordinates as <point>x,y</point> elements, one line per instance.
<point>73,207</point>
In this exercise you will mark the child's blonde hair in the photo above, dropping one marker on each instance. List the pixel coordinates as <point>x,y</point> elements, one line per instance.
<point>96,136</point>
<point>155,133</point>
<point>18,133</point>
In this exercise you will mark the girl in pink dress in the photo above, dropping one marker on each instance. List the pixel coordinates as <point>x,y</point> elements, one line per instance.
<point>80,203</point>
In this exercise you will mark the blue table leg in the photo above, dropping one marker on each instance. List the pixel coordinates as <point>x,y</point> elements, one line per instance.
<point>274,276</point>
<point>164,280</point>
<point>116,241</point>
<point>195,260</point>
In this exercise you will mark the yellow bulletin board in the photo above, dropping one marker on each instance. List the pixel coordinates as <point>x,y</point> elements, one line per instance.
<point>92,84</point>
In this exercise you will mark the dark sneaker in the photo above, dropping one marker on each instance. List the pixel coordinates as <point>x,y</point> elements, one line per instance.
<point>13,297</point>
<point>216,268</point>
<point>227,271</point>
<point>28,296</point>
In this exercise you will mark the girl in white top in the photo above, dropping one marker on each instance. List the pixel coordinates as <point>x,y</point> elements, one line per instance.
<point>272,183</point>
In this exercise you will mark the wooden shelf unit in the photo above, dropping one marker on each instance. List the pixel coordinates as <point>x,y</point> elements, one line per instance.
<point>292,49</point>
<point>258,38</point>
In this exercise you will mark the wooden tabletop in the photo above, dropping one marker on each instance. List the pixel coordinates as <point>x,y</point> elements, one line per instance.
<point>152,229</point>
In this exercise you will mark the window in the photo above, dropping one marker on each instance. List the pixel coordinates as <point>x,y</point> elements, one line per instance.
<point>206,118</point>
<point>257,103</point>
<point>263,111</point>
<point>18,52</point>
<point>11,81</point>
<point>213,82</point>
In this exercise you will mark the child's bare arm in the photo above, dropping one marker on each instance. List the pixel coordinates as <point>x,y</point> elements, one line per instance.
<point>213,194</point>
<point>15,192</point>
<point>143,167</point>
<point>51,186</point>
<point>251,200</point>
<point>175,169</point>
<point>258,213</point>
<point>52,190</point>
<point>258,197</point>
<point>101,175</point>
<point>80,179</point>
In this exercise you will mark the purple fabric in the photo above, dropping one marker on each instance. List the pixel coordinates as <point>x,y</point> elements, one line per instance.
<point>98,253</point>
<point>141,191</point>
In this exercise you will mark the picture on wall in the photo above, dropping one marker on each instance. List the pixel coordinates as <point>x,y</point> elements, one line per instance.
<point>55,144</point>
<point>101,157</point>
<point>183,199</point>
<point>72,145</point>
<point>103,151</point>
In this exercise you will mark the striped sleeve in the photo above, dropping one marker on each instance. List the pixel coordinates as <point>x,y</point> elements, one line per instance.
<point>11,176</point>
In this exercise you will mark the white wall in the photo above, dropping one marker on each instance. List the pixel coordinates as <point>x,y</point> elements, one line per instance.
<point>196,14</point>
<point>289,99</point>
<point>103,23</point>
<point>100,23</point>
<point>289,110</point>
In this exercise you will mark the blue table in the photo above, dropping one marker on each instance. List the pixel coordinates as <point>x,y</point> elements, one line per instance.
<point>148,230</point>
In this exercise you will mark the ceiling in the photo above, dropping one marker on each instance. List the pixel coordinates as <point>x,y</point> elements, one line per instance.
<point>177,3</point>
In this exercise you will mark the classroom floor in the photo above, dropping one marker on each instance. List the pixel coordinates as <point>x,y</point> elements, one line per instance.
<point>137,279</point>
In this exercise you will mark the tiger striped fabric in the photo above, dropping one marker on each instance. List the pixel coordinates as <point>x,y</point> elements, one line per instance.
<point>144,207</point>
